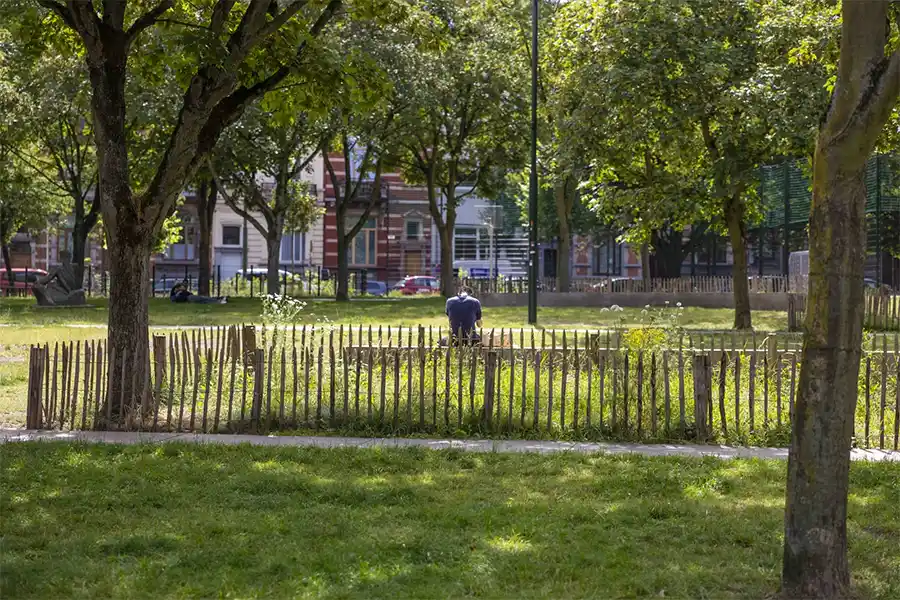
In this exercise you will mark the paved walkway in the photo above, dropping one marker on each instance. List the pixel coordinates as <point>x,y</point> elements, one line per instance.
<point>116,437</point>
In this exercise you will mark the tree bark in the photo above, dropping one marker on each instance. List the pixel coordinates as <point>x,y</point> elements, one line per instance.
<point>564,247</point>
<point>273,256</point>
<point>815,522</point>
<point>129,290</point>
<point>737,235</point>
<point>668,253</point>
<point>207,197</point>
<point>342,285</point>
<point>447,283</point>
<point>645,266</point>
<point>7,265</point>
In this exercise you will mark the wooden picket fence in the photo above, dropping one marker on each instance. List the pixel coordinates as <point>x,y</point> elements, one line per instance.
<point>768,284</point>
<point>881,311</point>
<point>400,381</point>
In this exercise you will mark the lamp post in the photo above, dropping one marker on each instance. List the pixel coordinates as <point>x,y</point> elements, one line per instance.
<point>533,180</point>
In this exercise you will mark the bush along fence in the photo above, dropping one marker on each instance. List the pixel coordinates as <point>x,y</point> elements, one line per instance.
<point>556,384</point>
<point>774,284</point>
<point>881,311</point>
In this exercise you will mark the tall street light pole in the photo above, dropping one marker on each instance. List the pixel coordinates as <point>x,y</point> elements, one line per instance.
<point>533,182</point>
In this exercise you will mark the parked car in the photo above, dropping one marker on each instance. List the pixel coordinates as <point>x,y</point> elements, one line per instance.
<point>419,284</point>
<point>376,288</point>
<point>22,279</point>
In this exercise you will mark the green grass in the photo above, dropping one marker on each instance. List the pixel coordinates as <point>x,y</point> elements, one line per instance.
<point>407,311</point>
<point>192,521</point>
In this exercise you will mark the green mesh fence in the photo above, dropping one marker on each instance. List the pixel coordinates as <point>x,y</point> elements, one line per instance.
<point>789,181</point>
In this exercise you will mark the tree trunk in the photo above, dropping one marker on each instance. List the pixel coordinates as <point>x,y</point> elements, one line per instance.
<point>342,292</point>
<point>668,253</point>
<point>815,521</point>
<point>8,266</point>
<point>206,208</point>
<point>79,251</point>
<point>645,266</point>
<point>815,545</point>
<point>447,283</point>
<point>273,262</point>
<point>129,290</point>
<point>737,235</point>
<point>563,274</point>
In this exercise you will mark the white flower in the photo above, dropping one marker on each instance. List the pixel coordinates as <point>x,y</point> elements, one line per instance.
<point>647,307</point>
<point>678,304</point>
<point>644,312</point>
<point>667,302</point>
<point>604,309</point>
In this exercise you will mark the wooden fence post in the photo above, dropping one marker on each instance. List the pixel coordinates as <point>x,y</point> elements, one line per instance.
<point>248,340</point>
<point>702,394</point>
<point>33,411</point>
<point>490,370</point>
<point>159,359</point>
<point>259,361</point>
<point>792,314</point>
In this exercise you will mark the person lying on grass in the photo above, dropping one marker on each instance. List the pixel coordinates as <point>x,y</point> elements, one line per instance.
<point>464,313</point>
<point>181,293</point>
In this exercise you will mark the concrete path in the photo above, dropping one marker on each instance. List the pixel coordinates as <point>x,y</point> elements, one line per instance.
<point>692,450</point>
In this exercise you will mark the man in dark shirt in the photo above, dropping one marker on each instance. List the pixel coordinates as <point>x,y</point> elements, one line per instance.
<point>464,312</point>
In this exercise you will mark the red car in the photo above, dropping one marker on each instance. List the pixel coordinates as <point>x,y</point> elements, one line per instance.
<point>419,284</point>
<point>22,280</point>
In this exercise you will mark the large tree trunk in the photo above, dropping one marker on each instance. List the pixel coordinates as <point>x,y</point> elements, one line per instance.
<point>668,253</point>
<point>84,224</point>
<point>7,266</point>
<point>206,208</point>
<point>129,290</point>
<point>737,235</point>
<point>341,284</point>
<point>815,522</point>
<point>273,256</point>
<point>563,216</point>
<point>645,266</point>
<point>815,545</point>
<point>447,283</point>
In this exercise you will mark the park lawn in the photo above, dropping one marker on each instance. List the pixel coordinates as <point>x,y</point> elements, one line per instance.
<point>105,521</point>
<point>404,311</point>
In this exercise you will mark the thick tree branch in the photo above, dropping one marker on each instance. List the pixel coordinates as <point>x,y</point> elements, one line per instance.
<point>220,15</point>
<point>60,10</point>
<point>373,200</point>
<point>338,194</point>
<point>233,204</point>
<point>114,13</point>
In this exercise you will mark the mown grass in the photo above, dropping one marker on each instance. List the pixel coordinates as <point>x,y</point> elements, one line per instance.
<point>192,521</point>
<point>405,311</point>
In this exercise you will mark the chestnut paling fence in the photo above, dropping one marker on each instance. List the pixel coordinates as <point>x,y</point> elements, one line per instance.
<point>568,384</point>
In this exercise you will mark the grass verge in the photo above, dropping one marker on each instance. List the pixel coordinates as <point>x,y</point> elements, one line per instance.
<point>84,521</point>
<point>406,311</point>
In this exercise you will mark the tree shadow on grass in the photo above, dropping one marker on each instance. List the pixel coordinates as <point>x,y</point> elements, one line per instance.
<point>178,520</point>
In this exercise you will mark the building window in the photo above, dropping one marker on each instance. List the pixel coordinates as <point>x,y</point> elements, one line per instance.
<point>607,259</point>
<point>357,154</point>
<point>185,247</point>
<point>292,246</point>
<point>363,247</point>
<point>471,243</point>
<point>231,235</point>
<point>413,231</point>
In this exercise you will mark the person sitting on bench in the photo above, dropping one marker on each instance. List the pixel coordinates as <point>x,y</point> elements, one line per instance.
<point>464,313</point>
<point>181,293</point>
